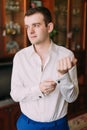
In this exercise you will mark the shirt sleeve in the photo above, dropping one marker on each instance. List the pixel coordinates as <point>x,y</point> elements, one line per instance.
<point>19,92</point>
<point>68,85</point>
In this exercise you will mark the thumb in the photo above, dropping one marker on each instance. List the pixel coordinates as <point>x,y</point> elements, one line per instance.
<point>74,61</point>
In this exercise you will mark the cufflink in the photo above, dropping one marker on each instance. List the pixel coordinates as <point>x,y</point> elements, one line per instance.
<point>40,96</point>
<point>58,81</point>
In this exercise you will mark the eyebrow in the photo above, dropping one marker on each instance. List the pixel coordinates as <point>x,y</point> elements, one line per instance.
<point>32,24</point>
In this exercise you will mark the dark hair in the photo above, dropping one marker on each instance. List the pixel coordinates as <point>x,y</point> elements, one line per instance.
<point>43,10</point>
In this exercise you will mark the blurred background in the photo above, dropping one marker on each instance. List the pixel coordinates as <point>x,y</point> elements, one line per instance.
<point>70,30</point>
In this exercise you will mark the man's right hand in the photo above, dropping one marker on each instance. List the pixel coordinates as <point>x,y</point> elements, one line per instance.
<point>47,86</point>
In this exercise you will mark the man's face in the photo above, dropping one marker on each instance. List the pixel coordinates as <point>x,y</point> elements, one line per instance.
<point>36,28</point>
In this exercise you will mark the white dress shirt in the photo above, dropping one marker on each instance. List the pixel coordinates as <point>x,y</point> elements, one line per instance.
<point>26,76</point>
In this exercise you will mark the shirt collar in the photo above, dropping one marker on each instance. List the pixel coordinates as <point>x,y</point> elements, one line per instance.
<point>51,48</point>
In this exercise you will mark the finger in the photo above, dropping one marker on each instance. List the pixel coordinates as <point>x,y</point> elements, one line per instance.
<point>65,64</point>
<point>74,61</point>
<point>69,63</point>
<point>50,90</point>
<point>50,83</point>
<point>60,65</point>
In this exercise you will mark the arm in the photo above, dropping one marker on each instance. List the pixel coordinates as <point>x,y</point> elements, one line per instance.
<point>20,92</point>
<point>68,83</point>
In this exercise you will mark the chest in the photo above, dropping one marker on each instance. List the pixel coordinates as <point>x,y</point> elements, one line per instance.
<point>33,71</point>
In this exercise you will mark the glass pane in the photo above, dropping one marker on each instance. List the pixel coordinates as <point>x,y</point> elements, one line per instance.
<point>13,32</point>
<point>76,23</point>
<point>12,26</point>
<point>60,21</point>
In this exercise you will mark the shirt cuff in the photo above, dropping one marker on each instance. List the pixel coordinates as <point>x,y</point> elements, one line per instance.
<point>36,93</point>
<point>64,79</point>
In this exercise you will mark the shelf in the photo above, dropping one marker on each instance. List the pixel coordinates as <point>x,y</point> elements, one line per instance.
<point>13,31</point>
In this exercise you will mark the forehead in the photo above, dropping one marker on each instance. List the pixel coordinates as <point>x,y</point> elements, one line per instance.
<point>35,18</point>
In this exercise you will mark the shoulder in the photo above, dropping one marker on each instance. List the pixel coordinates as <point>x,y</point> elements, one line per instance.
<point>25,52</point>
<point>63,51</point>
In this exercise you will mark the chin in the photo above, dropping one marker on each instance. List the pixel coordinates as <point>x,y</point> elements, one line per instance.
<point>35,43</point>
<point>32,42</point>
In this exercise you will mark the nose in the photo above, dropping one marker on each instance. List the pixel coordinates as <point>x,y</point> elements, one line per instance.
<point>31,30</point>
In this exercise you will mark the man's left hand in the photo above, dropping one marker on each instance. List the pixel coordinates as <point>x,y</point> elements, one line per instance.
<point>65,64</point>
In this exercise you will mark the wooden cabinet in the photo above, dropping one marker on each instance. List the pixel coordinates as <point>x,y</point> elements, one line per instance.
<point>8,116</point>
<point>15,110</point>
<point>70,19</point>
<point>4,122</point>
<point>13,34</point>
<point>1,29</point>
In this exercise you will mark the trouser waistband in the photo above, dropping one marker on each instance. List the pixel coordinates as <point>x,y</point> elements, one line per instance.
<point>52,123</point>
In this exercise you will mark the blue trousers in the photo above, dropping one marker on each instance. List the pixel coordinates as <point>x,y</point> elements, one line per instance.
<point>24,123</point>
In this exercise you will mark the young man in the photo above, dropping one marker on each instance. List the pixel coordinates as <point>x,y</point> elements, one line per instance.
<point>44,77</point>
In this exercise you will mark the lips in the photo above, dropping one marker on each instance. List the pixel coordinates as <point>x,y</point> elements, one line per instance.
<point>32,37</point>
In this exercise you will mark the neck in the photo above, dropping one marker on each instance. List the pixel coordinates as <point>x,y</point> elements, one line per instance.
<point>42,50</point>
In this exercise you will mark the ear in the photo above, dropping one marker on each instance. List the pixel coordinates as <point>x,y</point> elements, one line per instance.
<point>50,27</point>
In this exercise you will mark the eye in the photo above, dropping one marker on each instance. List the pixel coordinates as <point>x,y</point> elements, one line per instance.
<point>36,25</point>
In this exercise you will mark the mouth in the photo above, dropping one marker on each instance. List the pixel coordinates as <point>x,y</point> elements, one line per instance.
<point>32,37</point>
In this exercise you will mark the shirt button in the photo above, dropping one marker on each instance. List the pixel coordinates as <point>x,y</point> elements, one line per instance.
<point>58,81</point>
<point>40,96</point>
